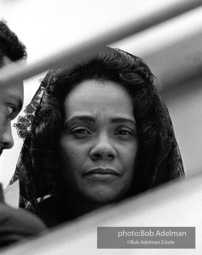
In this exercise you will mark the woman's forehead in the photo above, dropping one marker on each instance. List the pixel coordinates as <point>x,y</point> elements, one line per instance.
<point>96,97</point>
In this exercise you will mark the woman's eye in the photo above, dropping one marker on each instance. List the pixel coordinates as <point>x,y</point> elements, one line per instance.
<point>81,132</point>
<point>124,133</point>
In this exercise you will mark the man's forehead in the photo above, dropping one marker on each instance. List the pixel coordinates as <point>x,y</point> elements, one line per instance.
<point>6,61</point>
<point>12,94</point>
<point>15,91</point>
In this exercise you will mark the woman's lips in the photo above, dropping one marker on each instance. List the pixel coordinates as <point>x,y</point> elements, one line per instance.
<point>101,174</point>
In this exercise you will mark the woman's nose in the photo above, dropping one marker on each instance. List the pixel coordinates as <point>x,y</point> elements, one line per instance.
<point>7,138</point>
<point>103,150</point>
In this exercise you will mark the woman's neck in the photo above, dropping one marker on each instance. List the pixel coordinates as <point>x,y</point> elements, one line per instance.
<point>80,206</point>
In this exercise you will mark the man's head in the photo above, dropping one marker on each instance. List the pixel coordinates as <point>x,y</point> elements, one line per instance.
<point>11,96</point>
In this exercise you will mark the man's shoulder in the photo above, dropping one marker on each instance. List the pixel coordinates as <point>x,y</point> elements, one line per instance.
<point>20,219</point>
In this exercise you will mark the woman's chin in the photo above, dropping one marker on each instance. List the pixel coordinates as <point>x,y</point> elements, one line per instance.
<point>103,198</point>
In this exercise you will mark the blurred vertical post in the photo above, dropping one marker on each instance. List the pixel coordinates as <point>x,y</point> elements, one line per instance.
<point>68,56</point>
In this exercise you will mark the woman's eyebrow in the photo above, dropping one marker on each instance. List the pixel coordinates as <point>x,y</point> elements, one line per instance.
<point>122,120</point>
<point>89,118</point>
<point>80,118</point>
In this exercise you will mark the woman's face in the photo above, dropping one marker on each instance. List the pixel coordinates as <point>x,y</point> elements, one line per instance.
<point>99,141</point>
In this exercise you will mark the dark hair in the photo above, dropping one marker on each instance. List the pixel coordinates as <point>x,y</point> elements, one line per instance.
<point>10,46</point>
<point>157,152</point>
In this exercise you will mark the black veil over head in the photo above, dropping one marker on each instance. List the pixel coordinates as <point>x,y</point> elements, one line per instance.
<point>158,158</point>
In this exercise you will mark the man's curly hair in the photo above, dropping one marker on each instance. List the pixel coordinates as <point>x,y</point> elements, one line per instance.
<point>10,45</point>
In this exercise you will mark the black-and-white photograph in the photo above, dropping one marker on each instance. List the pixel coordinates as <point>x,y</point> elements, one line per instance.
<point>100,127</point>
